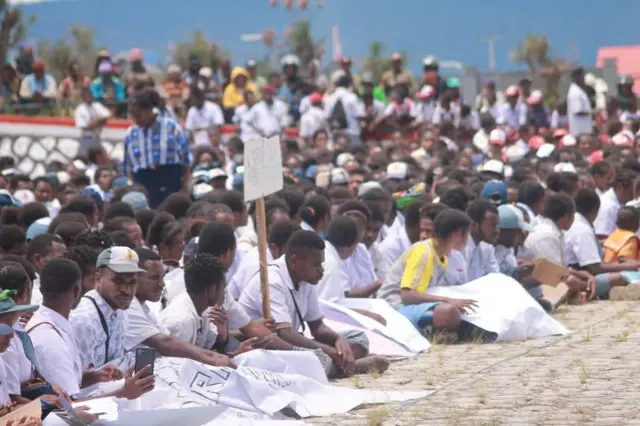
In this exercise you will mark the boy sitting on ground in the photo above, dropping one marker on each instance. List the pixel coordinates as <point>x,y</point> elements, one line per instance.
<point>623,243</point>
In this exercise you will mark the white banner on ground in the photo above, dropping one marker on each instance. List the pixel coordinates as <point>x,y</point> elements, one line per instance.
<point>398,339</point>
<point>188,393</point>
<point>504,307</point>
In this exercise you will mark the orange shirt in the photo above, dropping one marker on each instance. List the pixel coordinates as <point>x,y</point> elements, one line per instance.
<point>621,243</point>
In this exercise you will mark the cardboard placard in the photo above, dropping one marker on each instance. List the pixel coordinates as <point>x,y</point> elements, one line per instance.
<point>549,273</point>
<point>32,409</point>
<point>262,167</point>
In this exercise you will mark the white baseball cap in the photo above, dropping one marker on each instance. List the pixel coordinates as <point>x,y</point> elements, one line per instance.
<point>398,170</point>
<point>121,260</point>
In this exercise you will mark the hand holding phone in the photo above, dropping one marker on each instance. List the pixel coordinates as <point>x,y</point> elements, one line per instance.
<point>145,357</point>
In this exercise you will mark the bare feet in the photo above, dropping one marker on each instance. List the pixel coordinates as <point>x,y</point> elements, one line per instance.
<point>372,363</point>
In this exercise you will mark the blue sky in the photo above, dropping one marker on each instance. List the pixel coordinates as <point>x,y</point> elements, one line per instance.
<point>448,29</point>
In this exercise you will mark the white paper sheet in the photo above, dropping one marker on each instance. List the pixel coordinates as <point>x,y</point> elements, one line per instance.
<point>504,307</point>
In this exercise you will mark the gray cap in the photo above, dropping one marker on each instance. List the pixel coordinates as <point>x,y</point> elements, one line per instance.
<point>121,260</point>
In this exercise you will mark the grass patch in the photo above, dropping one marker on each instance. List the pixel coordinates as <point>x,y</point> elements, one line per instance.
<point>376,417</point>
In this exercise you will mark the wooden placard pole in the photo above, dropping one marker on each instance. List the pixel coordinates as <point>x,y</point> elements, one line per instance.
<point>262,251</point>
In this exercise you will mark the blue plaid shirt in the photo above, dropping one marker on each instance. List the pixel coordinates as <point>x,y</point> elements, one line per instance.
<point>163,143</point>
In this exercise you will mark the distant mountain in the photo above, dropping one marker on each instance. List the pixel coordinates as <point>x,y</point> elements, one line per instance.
<point>449,30</point>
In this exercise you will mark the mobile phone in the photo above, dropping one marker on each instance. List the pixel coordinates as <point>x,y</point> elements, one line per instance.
<point>144,357</point>
<point>263,340</point>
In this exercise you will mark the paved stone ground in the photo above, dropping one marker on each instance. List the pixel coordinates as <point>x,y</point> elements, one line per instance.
<point>591,377</point>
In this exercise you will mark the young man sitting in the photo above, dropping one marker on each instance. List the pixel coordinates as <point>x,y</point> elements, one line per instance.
<point>426,264</point>
<point>294,306</point>
<point>623,244</point>
<point>145,330</point>
<point>584,252</point>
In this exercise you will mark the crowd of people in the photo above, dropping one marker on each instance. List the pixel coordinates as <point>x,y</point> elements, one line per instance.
<point>100,257</point>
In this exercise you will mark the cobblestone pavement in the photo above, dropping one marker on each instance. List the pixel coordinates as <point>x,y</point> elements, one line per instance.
<point>591,377</point>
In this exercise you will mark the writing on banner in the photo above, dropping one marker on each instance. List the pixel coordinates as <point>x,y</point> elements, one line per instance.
<point>262,167</point>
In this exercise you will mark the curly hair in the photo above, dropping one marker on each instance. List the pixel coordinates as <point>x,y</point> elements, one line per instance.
<point>98,240</point>
<point>202,271</point>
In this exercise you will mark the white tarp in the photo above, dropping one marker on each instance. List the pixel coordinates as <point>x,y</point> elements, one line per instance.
<point>398,338</point>
<point>191,394</point>
<point>504,307</point>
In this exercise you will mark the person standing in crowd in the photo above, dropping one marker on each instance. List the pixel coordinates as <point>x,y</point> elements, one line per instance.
<point>90,117</point>
<point>156,151</point>
<point>268,117</point>
<point>343,109</point>
<point>579,108</point>
<point>204,120</point>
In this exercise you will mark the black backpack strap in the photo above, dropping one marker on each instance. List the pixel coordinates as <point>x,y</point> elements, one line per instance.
<point>103,321</point>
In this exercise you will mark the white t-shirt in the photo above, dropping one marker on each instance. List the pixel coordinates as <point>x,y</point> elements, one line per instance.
<point>578,101</point>
<point>237,317</point>
<point>184,323</point>
<point>200,121</point>
<point>282,293</point>
<point>85,113</point>
<point>249,266</point>
<point>312,121</point>
<point>352,107</point>
<point>331,287</point>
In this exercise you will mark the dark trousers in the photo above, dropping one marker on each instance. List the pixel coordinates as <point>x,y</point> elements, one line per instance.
<point>160,182</point>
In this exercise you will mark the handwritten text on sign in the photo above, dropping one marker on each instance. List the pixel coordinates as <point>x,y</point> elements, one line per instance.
<point>262,167</point>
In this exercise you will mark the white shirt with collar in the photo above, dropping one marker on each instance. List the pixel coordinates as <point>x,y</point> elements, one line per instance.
<point>183,322</point>
<point>268,120</point>
<point>85,113</point>
<point>282,293</point>
<point>358,269</point>
<point>237,317</point>
<point>237,260</point>
<point>249,266</point>
<point>5,399</point>
<point>56,349</point>
<point>512,117</point>
<point>506,259</point>
<point>36,294</point>
<point>391,249</point>
<point>578,101</point>
<point>331,286</point>
<point>201,121</point>
<point>581,243</point>
<point>605,222</point>
<point>352,107</point>
<point>90,336</point>
<point>451,114</point>
<point>547,240</point>
<point>19,368</point>
<point>306,227</point>
<point>481,259</point>
<point>143,324</point>
<point>240,117</point>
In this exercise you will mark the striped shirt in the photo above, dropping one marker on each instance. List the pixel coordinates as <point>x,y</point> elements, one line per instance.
<point>163,143</point>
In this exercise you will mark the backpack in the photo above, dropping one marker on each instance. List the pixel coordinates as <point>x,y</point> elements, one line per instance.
<point>338,117</point>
